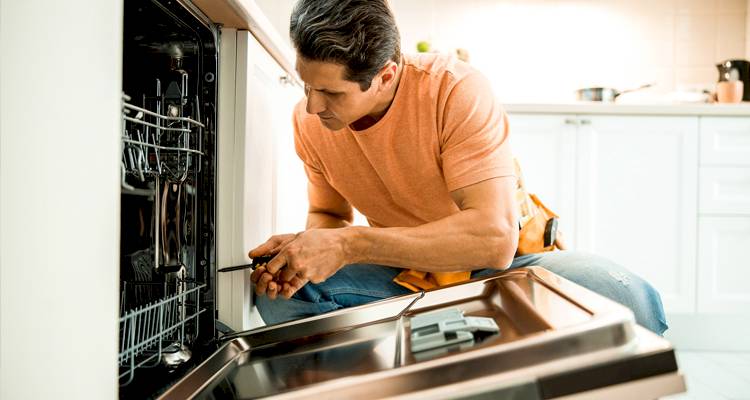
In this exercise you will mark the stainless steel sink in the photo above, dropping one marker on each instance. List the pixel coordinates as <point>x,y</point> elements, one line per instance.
<point>556,339</point>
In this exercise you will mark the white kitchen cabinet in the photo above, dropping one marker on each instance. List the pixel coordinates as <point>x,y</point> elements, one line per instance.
<point>60,126</point>
<point>291,181</point>
<point>724,190</point>
<point>636,202</point>
<point>668,197</point>
<point>724,218</point>
<point>723,273</point>
<point>625,188</point>
<point>725,141</point>
<point>544,146</point>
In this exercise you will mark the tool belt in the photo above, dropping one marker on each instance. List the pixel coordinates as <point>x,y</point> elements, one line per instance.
<point>538,233</point>
<point>537,223</point>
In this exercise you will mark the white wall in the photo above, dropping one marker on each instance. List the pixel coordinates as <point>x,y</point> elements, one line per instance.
<point>542,50</point>
<point>60,85</point>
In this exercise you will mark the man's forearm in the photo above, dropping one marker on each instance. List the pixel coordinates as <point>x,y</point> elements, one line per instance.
<point>322,220</point>
<point>464,241</point>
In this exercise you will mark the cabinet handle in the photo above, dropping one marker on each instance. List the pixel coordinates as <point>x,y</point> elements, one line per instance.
<point>571,121</point>
<point>285,80</point>
<point>585,122</point>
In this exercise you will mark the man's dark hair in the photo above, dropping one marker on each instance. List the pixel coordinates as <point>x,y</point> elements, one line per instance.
<point>358,34</point>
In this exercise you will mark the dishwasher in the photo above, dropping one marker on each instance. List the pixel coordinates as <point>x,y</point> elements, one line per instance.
<point>525,333</point>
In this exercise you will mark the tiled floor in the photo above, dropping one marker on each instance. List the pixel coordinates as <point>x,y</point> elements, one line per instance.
<point>714,375</point>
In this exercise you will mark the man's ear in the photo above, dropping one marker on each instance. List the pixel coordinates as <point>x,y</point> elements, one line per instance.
<point>388,75</point>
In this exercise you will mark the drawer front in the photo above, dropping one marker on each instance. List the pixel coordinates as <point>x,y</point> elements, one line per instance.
<point>725,141</point>
<point>723,272</point>
<point>724,190</point>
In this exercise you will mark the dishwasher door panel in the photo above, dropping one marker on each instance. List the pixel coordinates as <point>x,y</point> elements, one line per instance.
<point>555,337</point>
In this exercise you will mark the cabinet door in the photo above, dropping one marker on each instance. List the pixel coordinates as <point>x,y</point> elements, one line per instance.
<point>545,146</point>
<point>725,190</point>
<point>254,107</point>
<point>725,141</point>
<point>291,182</point>
<point>637,180</point>
<point>723,272</point>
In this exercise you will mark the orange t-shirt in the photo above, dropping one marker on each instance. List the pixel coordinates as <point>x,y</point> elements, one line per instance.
<point>444,131</point>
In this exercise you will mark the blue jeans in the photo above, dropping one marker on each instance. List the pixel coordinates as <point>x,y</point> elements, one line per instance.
<point>357,284</point>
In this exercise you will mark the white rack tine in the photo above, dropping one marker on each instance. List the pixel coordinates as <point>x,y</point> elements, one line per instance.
<point>125,336</point>
<point>138,333</point>
<point>182,314</point>
<point>131,345</point>
<point>161,325</point>
<point>152,331</point>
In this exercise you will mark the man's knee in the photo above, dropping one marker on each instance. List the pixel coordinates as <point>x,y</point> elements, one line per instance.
<point>609,279</point>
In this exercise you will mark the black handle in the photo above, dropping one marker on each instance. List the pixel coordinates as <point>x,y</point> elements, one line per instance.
<point>550,232</point>
<point>256,262</point>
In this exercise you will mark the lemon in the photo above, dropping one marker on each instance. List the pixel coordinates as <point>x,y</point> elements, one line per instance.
<point>423,46</point>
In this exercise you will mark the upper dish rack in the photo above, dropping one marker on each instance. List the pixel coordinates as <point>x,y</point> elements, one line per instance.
<point>168,146</point>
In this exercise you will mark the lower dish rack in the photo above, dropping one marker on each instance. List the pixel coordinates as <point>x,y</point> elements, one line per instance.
<point>158,333</point>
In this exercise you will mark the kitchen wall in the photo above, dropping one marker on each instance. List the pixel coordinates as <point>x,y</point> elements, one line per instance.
<point>542,50</point>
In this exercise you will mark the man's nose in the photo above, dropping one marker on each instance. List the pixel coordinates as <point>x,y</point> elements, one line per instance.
<point>315,103</point>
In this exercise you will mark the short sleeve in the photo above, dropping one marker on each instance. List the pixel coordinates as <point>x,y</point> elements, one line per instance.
<point>474,137</point>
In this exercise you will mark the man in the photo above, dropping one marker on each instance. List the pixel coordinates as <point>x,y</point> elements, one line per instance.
<point>419,145</point>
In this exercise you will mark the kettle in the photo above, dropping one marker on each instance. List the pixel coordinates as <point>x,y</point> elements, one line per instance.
<point>736,70</point>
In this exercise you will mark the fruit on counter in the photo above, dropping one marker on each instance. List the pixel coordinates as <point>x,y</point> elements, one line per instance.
<point>424,46</point>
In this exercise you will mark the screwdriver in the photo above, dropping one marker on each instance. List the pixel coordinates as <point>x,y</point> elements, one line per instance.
<point>255,263</point>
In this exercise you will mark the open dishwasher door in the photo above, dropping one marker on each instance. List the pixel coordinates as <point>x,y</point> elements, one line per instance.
<point>550,339</point>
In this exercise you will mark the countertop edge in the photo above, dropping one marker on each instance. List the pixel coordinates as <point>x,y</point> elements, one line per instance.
<point>740,110</point>
<point>247,15</point>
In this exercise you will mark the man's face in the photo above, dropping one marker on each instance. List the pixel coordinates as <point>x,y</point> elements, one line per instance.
<point>337,101</point>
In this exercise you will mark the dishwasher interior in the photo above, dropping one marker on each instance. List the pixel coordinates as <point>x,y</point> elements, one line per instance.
<point>167,193</point>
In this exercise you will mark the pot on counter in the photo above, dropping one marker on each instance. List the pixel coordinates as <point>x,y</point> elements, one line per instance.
<point>604,94</point>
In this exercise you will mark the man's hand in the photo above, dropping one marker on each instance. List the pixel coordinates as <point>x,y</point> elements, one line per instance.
<point>268,284</point>
<point>313,255</point>
<point>272,245</point>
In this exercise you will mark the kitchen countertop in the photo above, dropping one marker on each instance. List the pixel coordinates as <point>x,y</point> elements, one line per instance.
<point>742,109</point>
